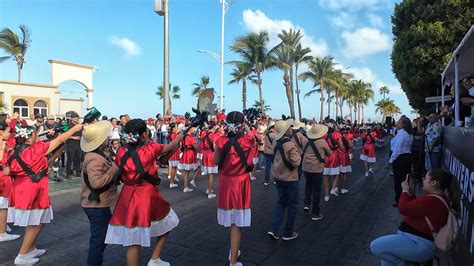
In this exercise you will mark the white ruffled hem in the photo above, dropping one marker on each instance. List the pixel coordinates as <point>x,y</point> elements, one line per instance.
<point>121,235</point>
<point>187,167</point>
<point>331,171</point>
<point>29,217</point>
<point>3,203</point>
<point>345,169</point>
<point>239,217</point>
<point>199,156</point>
<point>173,163</point>
<point>209,170</point>
<point>367,158</point>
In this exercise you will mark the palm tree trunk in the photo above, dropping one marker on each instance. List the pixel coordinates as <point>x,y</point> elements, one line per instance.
<point>298,92</point>
<point>289,93</point>
<point>244,94</point>
<point>340,107</point>
<point>260,94</point>
<point>363,114</point>
<point>19,72</point>
<point>292,92</point>
<point>336,105</point>
<point>322,103</point>
<point>355,113</point>
<point>329,104</point>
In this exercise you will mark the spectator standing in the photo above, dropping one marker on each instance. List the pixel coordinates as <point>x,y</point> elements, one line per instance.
<point>116,129</point>
<point>268,153</point>
<point>433,137</point>
<point>285,170</point>
<point>73,148</point>
<point>151,127</point>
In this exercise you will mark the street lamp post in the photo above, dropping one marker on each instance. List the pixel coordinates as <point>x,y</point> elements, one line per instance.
<point>225,7</point>
<point>161,7</point>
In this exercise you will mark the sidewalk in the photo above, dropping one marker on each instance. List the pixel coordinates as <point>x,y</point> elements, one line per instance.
<point>341,238</point>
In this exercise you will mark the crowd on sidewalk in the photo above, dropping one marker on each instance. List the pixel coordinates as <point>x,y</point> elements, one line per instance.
<point>128,152</point>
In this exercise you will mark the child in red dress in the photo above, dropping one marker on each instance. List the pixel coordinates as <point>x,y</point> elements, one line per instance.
<point>368,150</point>
<point>141,212</point>
<point>234,184</point>
<point>208,166</point>
<point>188,161</point>
<point>29,205</point>
<point>173,161</point>
<point>332,163</point>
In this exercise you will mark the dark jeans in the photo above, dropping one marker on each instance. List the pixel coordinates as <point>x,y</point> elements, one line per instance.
<point>99,219</point>
<point>401,167</point>
<point>312,190</point>
<point>73,154</point>
<point>287,199</point>
<point>260,160</point>
<point>268,167</point>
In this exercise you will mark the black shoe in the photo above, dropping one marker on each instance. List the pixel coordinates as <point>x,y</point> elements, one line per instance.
<point>57,179</point>
<point>273,236</point>
<point>395,205</point>
<point>294,236</point>
<point>306,208</point>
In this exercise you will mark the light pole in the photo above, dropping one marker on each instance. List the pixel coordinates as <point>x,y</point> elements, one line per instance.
<point>225,7</point>
<point>161,8</point>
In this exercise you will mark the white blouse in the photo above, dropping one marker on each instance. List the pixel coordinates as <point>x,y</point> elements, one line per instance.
<point>400,144</point>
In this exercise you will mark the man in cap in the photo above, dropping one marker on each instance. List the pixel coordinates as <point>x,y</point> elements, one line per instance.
<point>98,192</point>
<point>286,161</point>
<point>73,149</point>
<point>39,120</point>
<point>268,152</point>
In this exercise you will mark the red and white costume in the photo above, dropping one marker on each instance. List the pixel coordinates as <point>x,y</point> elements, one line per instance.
<point>234,184</point>
<point>368,150</point>
<point>345,158</point>
<point>332,163</point>
<point>29,203</point>
<point>173,161</point>
<point>140,213</point>
<point>188,160</point>
<point>207,147</point>
<point>6,181</point>
<point>350,137</point>
<point>255,149</point>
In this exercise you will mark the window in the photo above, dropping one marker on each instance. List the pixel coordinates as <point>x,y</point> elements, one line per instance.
<point>40,107</point>
<point>21,106</point>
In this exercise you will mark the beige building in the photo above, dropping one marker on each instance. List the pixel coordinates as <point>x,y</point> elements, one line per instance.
<point>31,98</point>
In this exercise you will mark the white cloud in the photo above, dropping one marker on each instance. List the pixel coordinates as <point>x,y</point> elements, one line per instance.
<point>129,47</point>
<point>348,4</point>
<point>257,21</point>
<point>367,75</point>
<point>365,41</point>
<point>375,21</point>
<point>343,20</point>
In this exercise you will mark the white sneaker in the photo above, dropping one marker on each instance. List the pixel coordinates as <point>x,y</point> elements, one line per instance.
<point>25,260</point>
<point>333,192</point>
<point>344,191</point>
<point>238,254</point>
<point>8,237</point>
<point>178,172</point>
<point>210,196</point>
<point>176,179</point>
<point>371,171</point>
<point>173,185</point>
<point>186,190</point>
<point>35,253</point>
<point>337,190</point>
<point>169,177</point>
<point>253,178</point>
<point>193,183</point>
<point>207,191</point>
<point>236,264</point>
<point>158,262</point>
<point>326,198</point>
<point>366,174</point>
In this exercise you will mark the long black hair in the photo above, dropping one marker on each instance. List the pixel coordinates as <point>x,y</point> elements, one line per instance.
<point>136,126</point>
<point>3,126</point>
<point>236,118</point>
<point>407,124</point>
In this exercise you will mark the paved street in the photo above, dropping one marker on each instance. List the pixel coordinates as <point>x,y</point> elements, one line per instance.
<point>341,238</point>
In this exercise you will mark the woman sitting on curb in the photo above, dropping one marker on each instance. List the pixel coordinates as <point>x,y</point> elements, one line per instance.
<point>414,240</point>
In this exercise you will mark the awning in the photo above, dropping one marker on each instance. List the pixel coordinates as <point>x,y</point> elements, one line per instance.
<point>465,51</point>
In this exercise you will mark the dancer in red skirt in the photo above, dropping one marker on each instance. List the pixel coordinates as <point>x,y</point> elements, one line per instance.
<point>234,184</point>
<point>7,142</point>
<point>345,158</point>
<point>368,150</point>
<point>173,161</point>
<point>208,166</point>
<point>332,163</point>
<point>259,140</point>
<point>188,161</point>
<point>141,213</point>
<point>29,205</point>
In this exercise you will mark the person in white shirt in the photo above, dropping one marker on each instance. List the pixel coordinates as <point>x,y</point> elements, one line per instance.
<point>401,158</point>
<point>151,126</point>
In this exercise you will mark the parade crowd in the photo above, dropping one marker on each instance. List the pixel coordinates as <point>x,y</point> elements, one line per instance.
<point>127,153</point>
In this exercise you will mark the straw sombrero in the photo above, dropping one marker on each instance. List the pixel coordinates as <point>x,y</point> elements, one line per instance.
<point>281,126</point>
<point>317,131</point>
<point>94,135</point>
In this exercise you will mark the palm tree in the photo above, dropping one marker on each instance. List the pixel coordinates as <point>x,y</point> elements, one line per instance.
<point>3,106</point>
<point>321,73</point>
<point>14,47</point>
<point>300,55</point>
<point>384,90</point>
<point>253,50</point>
<point>361,93</point>
<point>201,86</point>
<point>258,104</point>
<point>174,93</point>
<point>283,61</point>
<point>241,73</point>
<point>366,94</point>
<point>387,107</point>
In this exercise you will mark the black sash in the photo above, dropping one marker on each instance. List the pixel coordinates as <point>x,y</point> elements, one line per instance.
<point>225,151</point>
<point>333,142</point>
<point>35,177</point>
<point>95,193</point>
<point>315,150</point>
<point>279,148</point>
<point>138,164</point>
<point>209,142</point>
<point>297,140</point>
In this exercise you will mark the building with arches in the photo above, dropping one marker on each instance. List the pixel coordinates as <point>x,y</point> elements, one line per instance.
<point>32,98</point>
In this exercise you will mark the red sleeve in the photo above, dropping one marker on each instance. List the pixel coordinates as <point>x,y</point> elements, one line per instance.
<point>189,141</point>
<point>413,206</point>
<point>156,149</point>
<point>40,148</point>
<point>220,142</point>
<point>12,126</point>
<point>337,136</point>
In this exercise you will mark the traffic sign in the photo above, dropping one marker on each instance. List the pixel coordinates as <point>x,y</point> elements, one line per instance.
<point>436,99</point>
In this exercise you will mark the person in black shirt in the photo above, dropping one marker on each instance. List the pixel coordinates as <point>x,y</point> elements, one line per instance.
<point>73,148</point>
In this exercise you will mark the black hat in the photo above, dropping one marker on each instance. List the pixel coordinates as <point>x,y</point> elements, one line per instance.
<point>39,116</point>
<point>72,114</point>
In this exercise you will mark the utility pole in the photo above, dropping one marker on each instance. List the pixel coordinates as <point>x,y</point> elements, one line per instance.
<point>161,7</point>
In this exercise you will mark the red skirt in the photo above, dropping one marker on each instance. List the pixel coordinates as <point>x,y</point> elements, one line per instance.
<point>5,190</point>
<point>368,153</point>
<point>140,214</point>
<point>332,164</point>
<point>207,165</point>
<point>234,200</point>
<point>188,161</point>
<point>345,162</point>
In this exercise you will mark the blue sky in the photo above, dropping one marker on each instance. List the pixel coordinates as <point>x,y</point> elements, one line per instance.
<point>124,40</point>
